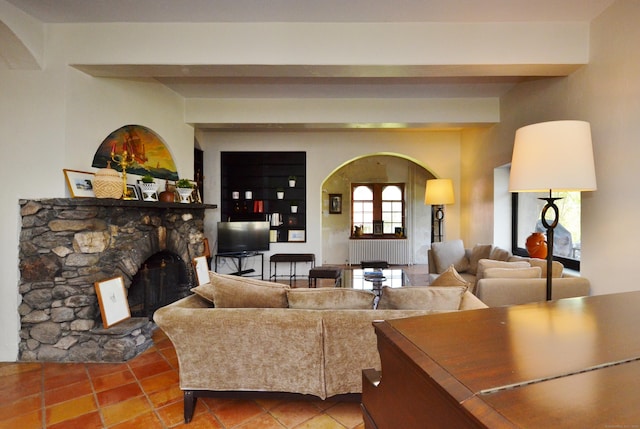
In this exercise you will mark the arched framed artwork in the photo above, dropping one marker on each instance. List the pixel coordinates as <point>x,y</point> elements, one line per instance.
<point>150,154</point>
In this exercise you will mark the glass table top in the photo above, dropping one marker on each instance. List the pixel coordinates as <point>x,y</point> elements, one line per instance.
<point>370,279</point>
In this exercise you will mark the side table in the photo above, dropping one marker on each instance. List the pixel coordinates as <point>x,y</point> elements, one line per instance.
<point>238,259</point>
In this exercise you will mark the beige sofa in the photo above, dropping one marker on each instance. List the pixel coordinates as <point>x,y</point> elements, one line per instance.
<point>499,278</point>
<point>319,347</point>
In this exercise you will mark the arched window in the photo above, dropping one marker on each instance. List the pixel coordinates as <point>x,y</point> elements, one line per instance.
<point>378,208</point>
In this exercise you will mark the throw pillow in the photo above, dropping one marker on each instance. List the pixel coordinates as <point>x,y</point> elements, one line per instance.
<point>330,299</point>
<point>556,267</point>
<point>214,277</point>
<point>421,298</point>
<point>513,273</point>
<point>479,251</point>
<point>229,291</point>
<point>450,278</point>
<point>483,264</point>
<point>498,254</point>
<point>449,253</point>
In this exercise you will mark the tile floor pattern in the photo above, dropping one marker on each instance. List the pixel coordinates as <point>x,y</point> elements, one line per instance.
<point>144,393</point>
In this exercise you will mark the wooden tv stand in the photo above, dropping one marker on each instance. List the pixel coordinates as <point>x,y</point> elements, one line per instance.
<point>571,363</point>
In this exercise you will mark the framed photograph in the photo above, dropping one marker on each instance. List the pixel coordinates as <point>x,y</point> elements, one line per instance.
<point>296,235</point>
<point>335,203</point>
<point>133,193</point>
<point>80,183</point>
<point>378,227</point>
<point>112,298</point>
<point>202,270</point>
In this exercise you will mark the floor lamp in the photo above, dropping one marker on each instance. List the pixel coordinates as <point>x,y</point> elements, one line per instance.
<point>552,156</point>
<point>439,192</point>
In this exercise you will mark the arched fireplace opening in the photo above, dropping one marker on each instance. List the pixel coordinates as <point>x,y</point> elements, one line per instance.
<point>161,280</point>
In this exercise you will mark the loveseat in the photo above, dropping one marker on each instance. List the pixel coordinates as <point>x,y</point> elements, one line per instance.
<point>497,277</point>
<point>238,334</point>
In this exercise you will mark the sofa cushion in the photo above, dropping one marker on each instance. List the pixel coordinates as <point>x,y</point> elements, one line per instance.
<point>330,299</point>
<point>227,291</point>
<point>483,264</point>
<point>512,273</point>
<point>450,278</point>
<point>421,298</point>
<point>499,254</point>
<point>556,267</point>
<point>449,253</point>
<point>479,251</point>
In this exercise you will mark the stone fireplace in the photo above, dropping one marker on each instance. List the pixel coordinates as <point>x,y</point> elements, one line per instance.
<point>66,245</point>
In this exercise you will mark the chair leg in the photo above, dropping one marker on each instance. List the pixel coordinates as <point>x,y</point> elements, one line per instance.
<point>189,405</point>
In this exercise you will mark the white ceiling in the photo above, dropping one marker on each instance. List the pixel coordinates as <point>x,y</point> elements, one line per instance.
<point>304,81</point>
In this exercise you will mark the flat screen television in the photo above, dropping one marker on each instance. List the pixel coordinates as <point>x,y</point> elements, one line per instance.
<point>243,236</point>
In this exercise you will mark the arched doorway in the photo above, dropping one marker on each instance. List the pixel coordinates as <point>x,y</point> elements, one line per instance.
<point>376,168</point>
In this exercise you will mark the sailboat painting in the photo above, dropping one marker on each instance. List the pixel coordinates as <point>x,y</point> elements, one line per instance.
<point>147,150</point>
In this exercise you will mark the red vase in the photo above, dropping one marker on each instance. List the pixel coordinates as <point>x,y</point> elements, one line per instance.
<point>537,245</point>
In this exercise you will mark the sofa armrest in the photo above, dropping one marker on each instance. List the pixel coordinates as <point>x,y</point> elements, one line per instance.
<point>499,292</point>
<point>245,348</point>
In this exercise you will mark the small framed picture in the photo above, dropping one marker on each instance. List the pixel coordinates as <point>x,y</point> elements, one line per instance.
<point>112,298</point>
<point>335,203</point>
<point>133,193</point>
<point>378,227</point>
<point>80,183</point>
<point>202,270</point>
<point>296,235</point>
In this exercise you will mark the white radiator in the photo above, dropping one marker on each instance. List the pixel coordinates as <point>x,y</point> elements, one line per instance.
<point>395,252</point>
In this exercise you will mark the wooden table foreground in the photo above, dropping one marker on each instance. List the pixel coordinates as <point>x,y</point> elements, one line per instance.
<point>571,363</point>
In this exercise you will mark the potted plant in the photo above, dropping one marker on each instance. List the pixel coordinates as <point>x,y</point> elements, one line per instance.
<point>292,181</point>
<point>294,207</point>
<point>280,193</point>
<point>149,188</point>
<point>184,188</point>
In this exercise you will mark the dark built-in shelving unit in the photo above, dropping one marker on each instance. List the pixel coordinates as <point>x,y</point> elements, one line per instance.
<point>262,174</point>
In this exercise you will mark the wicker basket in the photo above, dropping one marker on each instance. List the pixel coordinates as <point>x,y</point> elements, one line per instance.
<point>107,184</point>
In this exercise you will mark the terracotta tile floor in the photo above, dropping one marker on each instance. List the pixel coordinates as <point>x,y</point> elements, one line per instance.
<point>144,393</point>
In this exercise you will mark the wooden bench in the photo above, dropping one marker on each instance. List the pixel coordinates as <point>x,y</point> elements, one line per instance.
<point>292,259</point>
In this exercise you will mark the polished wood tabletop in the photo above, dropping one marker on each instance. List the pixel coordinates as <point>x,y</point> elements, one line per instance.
<point>567,363</point>
<point>508,345</point>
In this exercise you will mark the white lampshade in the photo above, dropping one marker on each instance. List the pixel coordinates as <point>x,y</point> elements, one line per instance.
<point>439,192</point>
<point>555,155</point>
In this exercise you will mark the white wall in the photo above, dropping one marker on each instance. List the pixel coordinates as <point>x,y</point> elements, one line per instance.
<point>438,152</point>
<point>607,94</point>
<point>54,119</point>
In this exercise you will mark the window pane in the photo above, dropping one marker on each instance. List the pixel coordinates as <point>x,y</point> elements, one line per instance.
<point>363,193</point>
<point>392,193</point>
<point>567,235</point>
<point>378,201</point>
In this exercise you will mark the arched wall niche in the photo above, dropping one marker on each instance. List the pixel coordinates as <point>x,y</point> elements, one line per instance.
<point>376,168</point>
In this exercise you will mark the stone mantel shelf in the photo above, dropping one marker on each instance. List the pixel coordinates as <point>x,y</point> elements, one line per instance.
<point>110,202</point>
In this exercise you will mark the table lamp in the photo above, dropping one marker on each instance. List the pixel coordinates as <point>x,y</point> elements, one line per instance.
<point>439,192</point>
<point>552,156</point>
